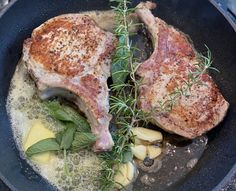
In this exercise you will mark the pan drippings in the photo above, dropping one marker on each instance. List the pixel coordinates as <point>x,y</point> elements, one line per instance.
<point>177,160</point>
<point>24,107</point>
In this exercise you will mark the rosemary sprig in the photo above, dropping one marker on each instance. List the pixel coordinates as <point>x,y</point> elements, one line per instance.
<point>194,78</point>
<point>123,54</point>
<point>123,102</point>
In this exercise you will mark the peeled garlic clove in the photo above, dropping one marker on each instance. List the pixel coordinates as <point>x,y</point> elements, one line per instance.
<point>139,151</point>
<point>153,151</point>
<point>130,171</point>
<point>141,142</point>
<point>124,174</point>
<point>137,141</point>
<point>147,134</point>
<point>120,176</point>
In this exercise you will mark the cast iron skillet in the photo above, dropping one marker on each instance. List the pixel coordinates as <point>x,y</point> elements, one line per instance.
<point>197,18</point>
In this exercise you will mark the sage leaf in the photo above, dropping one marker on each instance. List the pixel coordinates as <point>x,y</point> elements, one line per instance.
<point>120,62</point>
<point>59,137</point>
<point>127,155</point>
<point>79,120</point>
<point>68,136</point>
<point>44,145</point>
<point>67,114</point>
<point>83,140</point>
<point>57,111</point>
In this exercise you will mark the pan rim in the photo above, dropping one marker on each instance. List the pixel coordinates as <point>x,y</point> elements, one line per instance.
<point>6,8</point>
<point>224,13</point>
<point>227,179</point>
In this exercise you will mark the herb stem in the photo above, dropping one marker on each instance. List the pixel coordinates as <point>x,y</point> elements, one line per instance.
<point>125,23</point>
<point>66,169</point>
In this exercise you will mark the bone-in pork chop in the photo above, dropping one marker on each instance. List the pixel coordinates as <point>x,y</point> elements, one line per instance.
<point>167,69</point>
<point>71,55</point>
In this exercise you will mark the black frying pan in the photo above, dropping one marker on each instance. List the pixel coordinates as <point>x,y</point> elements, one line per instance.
<point>197,18</point>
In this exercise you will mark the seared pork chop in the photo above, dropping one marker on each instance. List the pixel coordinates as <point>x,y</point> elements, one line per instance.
<point>70,53</point>
<point>167,68</point>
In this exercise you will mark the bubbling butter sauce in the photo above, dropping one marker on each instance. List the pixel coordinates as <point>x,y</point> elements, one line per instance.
<point>24,108</point>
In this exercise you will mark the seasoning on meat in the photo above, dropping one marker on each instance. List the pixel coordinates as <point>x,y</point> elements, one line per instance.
<point>168,68</point>
<point>70,52</point>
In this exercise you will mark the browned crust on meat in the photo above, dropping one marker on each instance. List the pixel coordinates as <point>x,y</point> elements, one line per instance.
<point>53,41</point>
<point>44,49</point>
<point>92,85</point>
<point>71,52</point>
<point>173,58</point>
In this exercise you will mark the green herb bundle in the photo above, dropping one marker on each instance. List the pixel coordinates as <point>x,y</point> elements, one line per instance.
<point>123,102</point>
<point>75,136</point>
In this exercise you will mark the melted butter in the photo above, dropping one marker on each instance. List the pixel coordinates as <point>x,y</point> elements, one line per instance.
<point>36,133</point>
<point>24,108</point>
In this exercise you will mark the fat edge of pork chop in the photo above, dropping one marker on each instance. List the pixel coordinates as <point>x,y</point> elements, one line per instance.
<point>167,68</point>
<point>70,53</point>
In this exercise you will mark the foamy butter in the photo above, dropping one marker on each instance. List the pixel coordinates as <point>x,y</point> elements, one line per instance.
<point>24,108</point>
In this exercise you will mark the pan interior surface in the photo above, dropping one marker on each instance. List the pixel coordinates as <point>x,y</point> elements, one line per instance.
<point>199,19</point>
